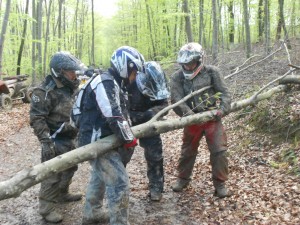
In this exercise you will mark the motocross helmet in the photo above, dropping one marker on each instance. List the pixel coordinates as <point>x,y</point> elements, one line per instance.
<point>126,59</point>
<point>65,61</point>
<point>191,52</point>
<point>153,82</point>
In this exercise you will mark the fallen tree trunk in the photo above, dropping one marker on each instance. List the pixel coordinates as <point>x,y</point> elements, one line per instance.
<point>26,178</point>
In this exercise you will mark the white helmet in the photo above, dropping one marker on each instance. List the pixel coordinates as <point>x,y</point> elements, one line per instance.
<point>191,52</point>
<point>125,59</point>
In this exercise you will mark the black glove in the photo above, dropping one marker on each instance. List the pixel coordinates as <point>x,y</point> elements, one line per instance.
<point>48,150</point>
<point>69,131</point>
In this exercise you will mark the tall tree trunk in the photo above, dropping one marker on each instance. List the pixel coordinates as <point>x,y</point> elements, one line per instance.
<point>188,26</point>
<point>150,28</point>
<point>215,30</point>
<point>39,35</point>
<point>22,40</point>
<point>267,27</point>
<point>33,45</point>
<point>201,21</point>
<point>93,36</point>
<point>281,23</point>
<point>231,22</point>
<point>47,37</point>
<point>3,32</point>
<point>260,20</point>
<point>59,21</point>
<point>247,28</point>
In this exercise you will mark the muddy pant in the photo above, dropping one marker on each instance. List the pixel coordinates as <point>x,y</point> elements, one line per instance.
<point>108,174</point>
<point>154,157</point>
<point>216,140</point>
<point>58,184</point>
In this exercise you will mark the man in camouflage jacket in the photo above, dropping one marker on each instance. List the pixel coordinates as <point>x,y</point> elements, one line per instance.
<point>51,104</point>
<point>194,76</point>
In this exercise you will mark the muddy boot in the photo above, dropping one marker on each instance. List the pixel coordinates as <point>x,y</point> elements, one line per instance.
<point>179,184</point>
<point>67,197</point>
<point>221,191</point>
<point>53,217</point>
<point>155,194</point>
<point>100,217</point>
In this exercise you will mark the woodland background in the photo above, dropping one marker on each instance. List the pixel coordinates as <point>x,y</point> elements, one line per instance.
<point>33,30</point>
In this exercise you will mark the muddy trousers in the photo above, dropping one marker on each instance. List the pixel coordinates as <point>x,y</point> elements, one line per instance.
<point>154,156</point>
<point>55,186</point>
<point>108,174</point>
<point>216,140</point>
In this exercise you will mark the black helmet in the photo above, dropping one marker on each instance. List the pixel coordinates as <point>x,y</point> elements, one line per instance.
<point>126,59</point>
<point>153,82</point>
<point>191,52</point>
<point>65,61</point>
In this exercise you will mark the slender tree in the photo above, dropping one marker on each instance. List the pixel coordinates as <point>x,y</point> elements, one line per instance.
<point>201,20</point>
<point>22,40</point>
<point>47,38</point>
<point>93,35</point>
<point>267,27</point>
<point>231,22</point>
<point>247,28</point>
<point>188,26</point>
<point>215,30</point>
<point>281,23</point>
<point>260,19</point>
<point>3,32</point>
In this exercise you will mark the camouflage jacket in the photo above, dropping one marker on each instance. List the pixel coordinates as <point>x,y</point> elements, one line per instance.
<point>207,100</point>
<point>51,104</point>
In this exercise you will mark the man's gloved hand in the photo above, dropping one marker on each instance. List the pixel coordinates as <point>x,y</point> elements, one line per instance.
<point>131,144</point>
<point>69,130</point>
<point>48,150</point>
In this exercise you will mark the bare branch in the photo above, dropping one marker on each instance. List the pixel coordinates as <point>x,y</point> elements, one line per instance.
<point>230,75</point>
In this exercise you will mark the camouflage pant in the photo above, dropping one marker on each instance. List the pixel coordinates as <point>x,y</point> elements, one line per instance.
<point>216,140</point>
<point>57,184</point>
<point>154,157</point>
<point>108,173</point>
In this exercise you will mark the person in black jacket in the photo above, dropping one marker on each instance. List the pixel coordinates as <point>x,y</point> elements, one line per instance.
<point>148,94</point>
<point>99,111</point>
<point>51,104</point>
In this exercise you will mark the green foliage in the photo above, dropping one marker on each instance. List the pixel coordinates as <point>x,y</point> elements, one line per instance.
<point>289,161</point>
<point>155,28</point>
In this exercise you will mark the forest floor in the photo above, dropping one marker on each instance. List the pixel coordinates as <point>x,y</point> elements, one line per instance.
<point>266,190</point>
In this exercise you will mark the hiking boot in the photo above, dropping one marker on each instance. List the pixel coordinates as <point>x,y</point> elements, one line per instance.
<point>155,195</point>
<point>221,191</point>
<point>67,197</point>
<point>101,217</point>
<point>179,184</point>
<point>53,217</point>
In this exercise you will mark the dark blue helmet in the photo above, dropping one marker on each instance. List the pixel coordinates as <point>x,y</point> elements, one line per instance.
<point>126,59</point>
<point>153,82</point>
